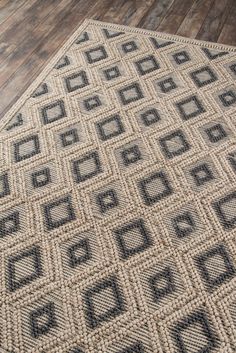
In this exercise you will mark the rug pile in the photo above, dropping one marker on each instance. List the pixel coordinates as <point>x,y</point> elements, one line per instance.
<point>118,198</point>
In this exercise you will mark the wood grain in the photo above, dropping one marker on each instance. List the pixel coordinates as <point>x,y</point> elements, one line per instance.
<point>31,31</point>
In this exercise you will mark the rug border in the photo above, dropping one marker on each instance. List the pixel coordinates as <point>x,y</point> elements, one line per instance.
<point>53,60</point>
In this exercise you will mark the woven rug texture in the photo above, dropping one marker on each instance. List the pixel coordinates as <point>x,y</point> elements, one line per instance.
<point>118,198</point>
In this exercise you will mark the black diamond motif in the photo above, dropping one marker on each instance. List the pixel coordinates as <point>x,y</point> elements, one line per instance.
<point>92,103</point>
<point>184,224</point>
<point>58,212</point>
<point>232,160</point>
<point>41,178</point>
<point>17,121</point>
<point>147,65</point>
<point>4,185</point>
<point>167,85</point>
<point>31,274</point>
<point>213,54</point>
<point>129,47</point>
<point>190,108</point>
<point>96,54</point>
<point>150,116</point>
<point>87,167</point>
<point>84,37</point>
<point>137,347</point>
<point>203,76</point>
<point>159,43</point>
<point>112,72</point>
<point>188,324</point>
<point>181,57</point>
<point>42,89</point>
<point>215,266</point>
<point>202,174</point>
<point>76,81</point>
<point>62,62</point>
<point>112,308</point>
<point>233,68</point>
<point>159,292</point>
<point>9,224</point>
<point>76,350</point>
<point>132,238</point>
<point>130,93</point>
<point>131,155</point>
<point>216,133</point>
<point>79,253</point>
<point>226,211</point>
<point>69,137</point>
<point>33,148</point>
<point>107,200</point>
<point>154,188</point>
<point>42,320</point>
<point>110,127</point>
<point>111,34</point>
<point>174,144</point>
<point>228,98</point>
<point>53,112</point>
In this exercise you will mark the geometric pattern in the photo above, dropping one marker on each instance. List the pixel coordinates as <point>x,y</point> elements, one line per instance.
<point>118,198</point>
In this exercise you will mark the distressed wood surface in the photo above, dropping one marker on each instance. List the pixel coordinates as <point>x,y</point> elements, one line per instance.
<point>31,31</point>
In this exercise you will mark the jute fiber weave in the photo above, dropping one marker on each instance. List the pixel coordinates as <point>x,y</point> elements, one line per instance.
<point>118,198</point>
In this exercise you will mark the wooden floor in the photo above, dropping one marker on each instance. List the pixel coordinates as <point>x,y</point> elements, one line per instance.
<point>31,31</point>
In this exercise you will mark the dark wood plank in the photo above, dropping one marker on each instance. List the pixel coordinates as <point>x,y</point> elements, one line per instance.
<point>228,33</point>
<point>214,22</point>
<point>154,16</point>
<point>193,20</point>
<point>8,7</point>
<point>175,15</point>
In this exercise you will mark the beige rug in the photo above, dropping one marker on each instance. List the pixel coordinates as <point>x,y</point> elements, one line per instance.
<point>118,199</point>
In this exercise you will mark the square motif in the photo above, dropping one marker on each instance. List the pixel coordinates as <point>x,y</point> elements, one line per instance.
<point>4,185</point>
<point>109,127</point>
<point>9,224</point>
<point>228,98</point>
<point>96,54</point>
<point>103,302</point>
<point>216,133</point>
<point>202,174</point>
<point>160,289</point>
<point>233,68</point>
<point>174,144</point>
<point>24,268</point>
<point>194,331</point>
<point>132,238</point>
<point>131,155</point>
<point>215,266</point>
<point>42,320</point>
<point>150,117</point>
<point>76,81</point>
<point>181,57</point>
<point>79,253</point>
<point>225,209</point>
<point>129,47</point>
<point>59,212</point>
<point>203,76</point>
<point>111,73</point>
<point>107,200</point>
<point>26,148</point>
<point>53,112</point>
<point>167,85</point>
<point>184,224</point>
<point>190,108</point>
<point>154,188</point>
<point>130,93</point>
<point>41,178</point>
<point>147,65</point>
<point>69,137</point>
<point>92,103</point>
<point>86,167</point>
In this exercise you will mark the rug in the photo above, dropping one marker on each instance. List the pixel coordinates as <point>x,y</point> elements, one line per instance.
<point>118,198</point>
